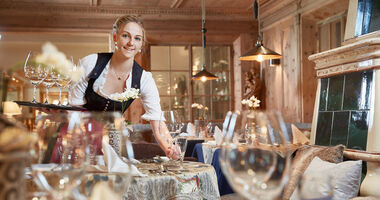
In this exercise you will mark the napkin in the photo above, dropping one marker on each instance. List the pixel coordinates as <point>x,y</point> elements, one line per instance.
<point>113,163</point>
<point>218,136</point>
<point>190,129</point>
<point>298,136</point>
<point>184,134</point>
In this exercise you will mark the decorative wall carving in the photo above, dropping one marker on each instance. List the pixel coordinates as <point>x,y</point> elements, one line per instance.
<point>361,55</point>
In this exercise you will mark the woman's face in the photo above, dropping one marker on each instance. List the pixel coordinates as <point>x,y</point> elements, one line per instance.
<point>129,39</point>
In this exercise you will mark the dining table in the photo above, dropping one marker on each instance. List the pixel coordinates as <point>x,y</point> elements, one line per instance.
<point>157,181</point>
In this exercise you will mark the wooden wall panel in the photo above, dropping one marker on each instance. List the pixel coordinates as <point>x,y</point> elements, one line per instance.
<point>282,83</point>
<point>309,32</point>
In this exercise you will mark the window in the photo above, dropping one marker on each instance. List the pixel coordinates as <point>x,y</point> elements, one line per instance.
<point>172,68</point>
<point>331,32</point>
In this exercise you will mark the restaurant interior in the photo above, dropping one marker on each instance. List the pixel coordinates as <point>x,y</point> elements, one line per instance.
<point>262,99</point>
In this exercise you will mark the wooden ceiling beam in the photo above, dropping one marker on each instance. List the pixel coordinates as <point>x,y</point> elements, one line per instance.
<point>51,23</point>
<point>101,11</point>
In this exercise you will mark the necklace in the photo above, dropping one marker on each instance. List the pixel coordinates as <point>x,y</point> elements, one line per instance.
<point>118,77</point>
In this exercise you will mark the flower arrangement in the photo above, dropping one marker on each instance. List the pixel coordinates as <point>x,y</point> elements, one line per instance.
<point>201,110</point>
<point>252,102</point>
<point>129,93</point>
<point>50,56</point>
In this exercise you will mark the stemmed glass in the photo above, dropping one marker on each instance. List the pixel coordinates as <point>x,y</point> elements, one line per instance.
<point>62,81</point>
<point>259,168</point>
<point>49,81</point>
<point>61,140</point>
<point>34,72</point>
<point>181,142</point>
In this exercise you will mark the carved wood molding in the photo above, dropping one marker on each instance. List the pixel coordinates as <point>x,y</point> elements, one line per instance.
<point>348,68</point>
<point>361,55</point>
<point>28,9</point>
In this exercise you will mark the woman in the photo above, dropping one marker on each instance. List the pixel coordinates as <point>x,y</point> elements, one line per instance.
<point>109,73</point>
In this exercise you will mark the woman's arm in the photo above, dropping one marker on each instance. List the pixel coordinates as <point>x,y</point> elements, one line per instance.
<point>162,135</point>
<point>151,102</point>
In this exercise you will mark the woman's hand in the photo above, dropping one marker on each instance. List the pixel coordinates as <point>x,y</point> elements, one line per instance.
<point>173,152</point>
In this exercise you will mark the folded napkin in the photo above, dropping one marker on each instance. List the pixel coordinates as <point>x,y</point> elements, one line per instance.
<point>190,129</point>
<point>113,163</point>
<point>218,136</point>
<point>298,136</point>
<point>184,134</point>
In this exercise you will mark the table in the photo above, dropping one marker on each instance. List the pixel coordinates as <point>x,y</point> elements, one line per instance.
<point>195,181</point>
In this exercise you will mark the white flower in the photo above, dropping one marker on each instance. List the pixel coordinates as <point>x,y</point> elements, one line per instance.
<point>50,56</point>
<point>199,106</point>
<point>252,102</point>
<point>129,93</point>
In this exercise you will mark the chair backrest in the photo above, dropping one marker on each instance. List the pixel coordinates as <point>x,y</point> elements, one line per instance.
<point>232,124</point>
<point>226,122</point>
<point>143,150</point>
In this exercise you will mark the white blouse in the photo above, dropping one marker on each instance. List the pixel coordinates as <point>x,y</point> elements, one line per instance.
<point>148,89</point>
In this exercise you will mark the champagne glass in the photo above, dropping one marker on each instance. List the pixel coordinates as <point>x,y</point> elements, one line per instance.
<point>34,72</point>
<point>62,81</point>
<point>49,81</point>
<point>258,169</point>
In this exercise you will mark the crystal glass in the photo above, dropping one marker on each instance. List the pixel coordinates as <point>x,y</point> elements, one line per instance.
<point>62,81</point>
<point>181,142</point>
<point>34,72</point>
<point>259,168</point>
<point>174,122</point>
<point>49,81</point>
<point>62,140</point>
<point>70,142</point>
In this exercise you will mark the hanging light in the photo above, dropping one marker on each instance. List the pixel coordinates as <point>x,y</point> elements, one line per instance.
<point>259,52</point>
<point>204,75</point>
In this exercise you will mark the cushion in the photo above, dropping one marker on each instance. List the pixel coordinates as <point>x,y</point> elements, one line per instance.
<point>345,177</point>
<point>302,159</point>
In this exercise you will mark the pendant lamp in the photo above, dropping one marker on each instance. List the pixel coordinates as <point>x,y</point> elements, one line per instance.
<point>204,75</point>
<point>259,52</point>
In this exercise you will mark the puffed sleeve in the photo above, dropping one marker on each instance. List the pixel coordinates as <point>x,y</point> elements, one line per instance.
<point>150,97</point>
<point>79,88</point>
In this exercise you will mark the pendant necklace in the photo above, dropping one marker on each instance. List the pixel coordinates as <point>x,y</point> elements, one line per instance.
<point>114,73</point>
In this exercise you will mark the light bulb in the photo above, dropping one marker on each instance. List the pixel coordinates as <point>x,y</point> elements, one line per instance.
<point>260,58</point>
<point>203,79</point>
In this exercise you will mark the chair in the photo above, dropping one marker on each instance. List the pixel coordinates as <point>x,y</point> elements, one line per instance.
<point>144,150</point>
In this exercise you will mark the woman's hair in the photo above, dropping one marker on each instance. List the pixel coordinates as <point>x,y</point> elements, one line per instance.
<point>125,19</point>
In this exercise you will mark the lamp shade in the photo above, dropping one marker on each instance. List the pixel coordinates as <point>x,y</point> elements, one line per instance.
<point>260,53</point>
<point>204,75</point>
<point>11,108</point>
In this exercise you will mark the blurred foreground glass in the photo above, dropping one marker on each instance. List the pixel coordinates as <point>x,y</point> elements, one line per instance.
<point>259,168</point>
<point>73,141</point>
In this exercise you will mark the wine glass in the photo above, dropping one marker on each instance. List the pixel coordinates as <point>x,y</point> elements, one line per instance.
<point>49,80</point>
<point>181,142</point>
<point>62,154</point>
<point>34,72</point>
<point>259,168</point>
<point>62,81</point>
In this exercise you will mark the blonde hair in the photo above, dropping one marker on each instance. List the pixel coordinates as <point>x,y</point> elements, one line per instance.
<point>125,19</point>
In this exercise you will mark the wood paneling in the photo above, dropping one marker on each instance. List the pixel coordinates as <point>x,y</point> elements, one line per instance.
<point>309,81</point>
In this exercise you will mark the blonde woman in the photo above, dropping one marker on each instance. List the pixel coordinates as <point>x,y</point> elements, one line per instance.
<point>110,73</point>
